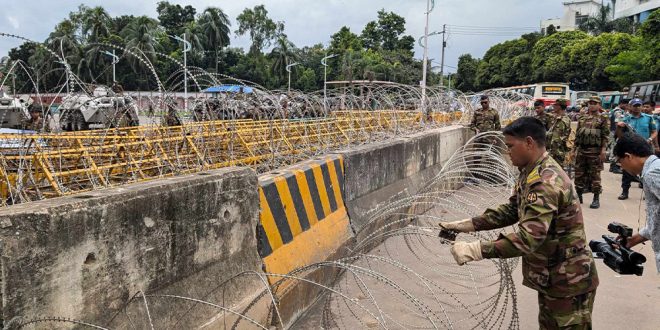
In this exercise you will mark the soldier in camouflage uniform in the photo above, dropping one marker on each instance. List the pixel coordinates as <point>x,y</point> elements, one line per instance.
<point>36,120</point>
<point>556,260</point>
<point>539,108</point>
<point>485,119</point>
<point>591,139</point>
<point>559,129</point>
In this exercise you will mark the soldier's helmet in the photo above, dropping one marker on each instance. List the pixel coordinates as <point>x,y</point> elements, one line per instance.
<point>562,102</point>
<point>594,99</point>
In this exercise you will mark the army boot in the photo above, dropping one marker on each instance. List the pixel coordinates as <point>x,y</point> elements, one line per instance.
<point>624,195</point>
<point>596,202</point>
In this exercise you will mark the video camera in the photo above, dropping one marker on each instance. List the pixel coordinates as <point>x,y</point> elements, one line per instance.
<point>615,254</point>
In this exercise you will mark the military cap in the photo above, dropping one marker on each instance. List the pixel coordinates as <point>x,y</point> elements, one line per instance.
<point>561,102</point>
<point>484,97</point>
<point>594,99</point>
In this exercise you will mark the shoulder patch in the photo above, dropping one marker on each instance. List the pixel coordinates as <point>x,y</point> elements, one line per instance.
<point>533,176</point>
<point>532,197</point>
<point>548,174</point>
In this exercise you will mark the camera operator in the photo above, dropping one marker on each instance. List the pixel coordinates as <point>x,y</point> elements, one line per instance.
<point>636,157</point>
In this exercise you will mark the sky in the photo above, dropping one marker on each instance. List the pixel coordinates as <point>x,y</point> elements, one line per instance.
<point>475,25</point>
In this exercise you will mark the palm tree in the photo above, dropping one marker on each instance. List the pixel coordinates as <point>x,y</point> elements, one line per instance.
<point>599,23</point>
<point>140,34</point>
<point>283,54</point>
<point>214,24</point>
<point>96,24</point>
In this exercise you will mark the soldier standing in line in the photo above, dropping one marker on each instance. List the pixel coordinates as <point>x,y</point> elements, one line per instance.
<point>539,108</point>
<point>485,119</point>
<point>556,260</point>
<point>590,151</point>
<point>559,130</point>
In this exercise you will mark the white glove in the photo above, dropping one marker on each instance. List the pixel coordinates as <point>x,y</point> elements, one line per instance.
<point>466,251</point>
<point>461,226</point>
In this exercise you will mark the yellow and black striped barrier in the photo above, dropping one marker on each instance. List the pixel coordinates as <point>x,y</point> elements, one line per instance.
<point>303,216</point>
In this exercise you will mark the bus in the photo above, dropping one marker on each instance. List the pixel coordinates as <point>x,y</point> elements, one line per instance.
<point>577,97</point>
<point>546,92</point>
<point>609,100</point>
<point>646,91</point>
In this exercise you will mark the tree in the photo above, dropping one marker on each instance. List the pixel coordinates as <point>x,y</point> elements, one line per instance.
<point>174,17</point>
<point>391,26</point>
<point>259,26</point>
<point>140,34</point>
<point>466,73</point>
<point>344,39</point>
<point>643,61</point>
<point>214,24</point>
<point>586,61</point>
<point>551,30</point>
<point>282,54</point>
<point>546,55</point>
<point>602,23</point>
<point>370,36</point>
<point>386,33</point>
<point>307,80</point>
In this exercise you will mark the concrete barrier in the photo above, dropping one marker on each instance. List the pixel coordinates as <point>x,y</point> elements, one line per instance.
<point>85,256</point>
<point>377,174</point>
<point>303,221</point>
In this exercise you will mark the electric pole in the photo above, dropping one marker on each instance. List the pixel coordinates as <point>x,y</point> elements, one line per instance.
<point>442,61</point>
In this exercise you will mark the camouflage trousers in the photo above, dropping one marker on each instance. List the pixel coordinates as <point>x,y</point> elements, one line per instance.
<point>572,313</point>
<point>587,171</point>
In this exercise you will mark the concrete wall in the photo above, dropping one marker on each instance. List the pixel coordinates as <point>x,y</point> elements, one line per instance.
<point>377,174</point>
<point>85,256</point>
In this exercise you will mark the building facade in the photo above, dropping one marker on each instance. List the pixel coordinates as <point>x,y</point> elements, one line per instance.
<point>637,10</point>
<point>575,12</point>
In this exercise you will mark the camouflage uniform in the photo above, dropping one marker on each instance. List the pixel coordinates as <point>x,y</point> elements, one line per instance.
<point>559,131</point>
<point>556,260</point>
<point>591,137</point>
<point>485,120</point>
<point>546,119</point>
<point>38,124</point>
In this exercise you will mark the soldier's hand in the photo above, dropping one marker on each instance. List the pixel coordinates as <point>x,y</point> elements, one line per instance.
<point>464,252</point>
<point>603,156</point>
<point>461,226</point>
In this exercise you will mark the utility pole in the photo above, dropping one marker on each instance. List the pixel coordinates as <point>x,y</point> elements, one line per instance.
<point>288,69</point>
<point>426,56</point>
<point>442,61</point>
<point>325,81</point>
<point>187,46</point>
<point>115,60</point>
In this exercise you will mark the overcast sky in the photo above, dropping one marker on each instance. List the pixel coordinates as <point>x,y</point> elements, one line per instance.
<point>308,22</point>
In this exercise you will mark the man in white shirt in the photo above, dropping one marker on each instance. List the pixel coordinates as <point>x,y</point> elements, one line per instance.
<point>636,157</point>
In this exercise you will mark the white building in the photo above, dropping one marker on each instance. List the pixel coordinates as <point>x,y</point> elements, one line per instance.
<point>638,10</point>
<point>575,12</point>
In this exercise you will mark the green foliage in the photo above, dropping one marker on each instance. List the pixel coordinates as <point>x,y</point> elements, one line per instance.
<point>466,73</point>
<point>506,64</point>
<point>546,63</point>
<point>259,26</point>
<point>174,17</point>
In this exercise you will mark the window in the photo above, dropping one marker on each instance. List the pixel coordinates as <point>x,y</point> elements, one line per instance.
<point>641,91</point>
<point>579,19</point>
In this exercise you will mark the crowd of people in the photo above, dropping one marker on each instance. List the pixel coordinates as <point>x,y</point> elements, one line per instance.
<point>546,203</point>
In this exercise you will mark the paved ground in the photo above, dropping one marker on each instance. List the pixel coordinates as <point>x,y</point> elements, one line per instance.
<point>621,302</point>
